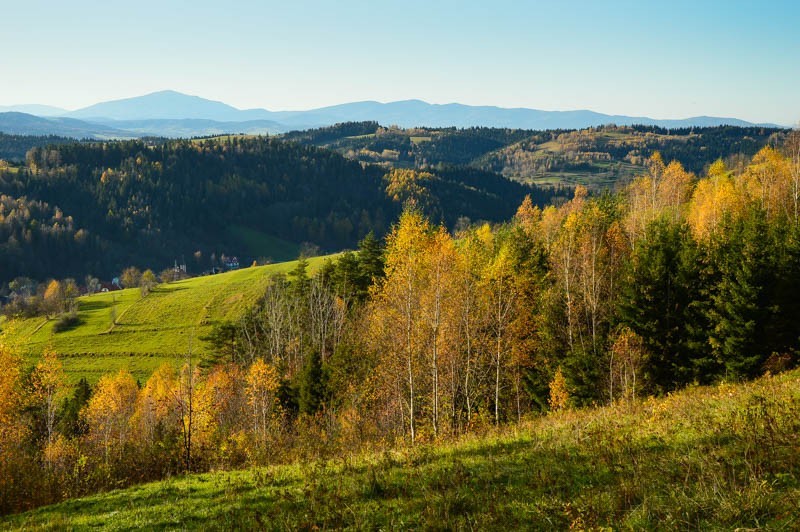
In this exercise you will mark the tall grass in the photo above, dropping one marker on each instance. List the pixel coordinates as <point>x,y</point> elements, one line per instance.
<point>721,457</point>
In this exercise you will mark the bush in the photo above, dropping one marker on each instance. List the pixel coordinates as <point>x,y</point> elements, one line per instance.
<point>66,322</point>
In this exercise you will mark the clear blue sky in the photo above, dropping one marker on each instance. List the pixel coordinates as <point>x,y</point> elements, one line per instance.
<point>661,59</point>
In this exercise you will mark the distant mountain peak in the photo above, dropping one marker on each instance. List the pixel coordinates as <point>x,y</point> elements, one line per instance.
<point>169,105</point>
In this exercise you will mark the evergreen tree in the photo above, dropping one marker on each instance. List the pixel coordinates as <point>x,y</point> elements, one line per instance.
<point>346,278</point>
<point>740,304</point>
<point>70,423</point>
<point>300,283</point>
<point>313,385</point>
<point>371,262</point>
<point>656,302</point>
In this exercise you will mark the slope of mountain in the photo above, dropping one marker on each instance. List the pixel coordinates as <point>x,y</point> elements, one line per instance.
<point>98,207</point>
<point>148,331</point>
<point>598,157</point>
<point>407,113</point>
<point>413,113</point>
<point>14,123</point>
<point>193,127</point>
<point>173,114</point>
<point>34,109</point>
<point>168,105</point>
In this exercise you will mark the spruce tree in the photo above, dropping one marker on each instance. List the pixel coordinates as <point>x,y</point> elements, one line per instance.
<point>313,385</point>
<point>656,303</point>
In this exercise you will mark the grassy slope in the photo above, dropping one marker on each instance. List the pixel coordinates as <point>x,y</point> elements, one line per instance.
<point>149,330</point>
<point>706,458</point>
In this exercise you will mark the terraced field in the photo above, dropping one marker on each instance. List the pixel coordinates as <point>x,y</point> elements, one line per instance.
<point>123,330</point>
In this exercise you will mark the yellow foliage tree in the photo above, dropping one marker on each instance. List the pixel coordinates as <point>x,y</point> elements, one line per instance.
<point>157,404</point>
<point>262,386</point>
<point>108,413</point>
<point>559,394</point>
<point>54,297</point>
<point>220,404</point>
<point>714,198</point>
<point>528,216</point>
<point>626,359</point>
<point>768,181</point>
<point>500,288</point>
<point>663,191</point>
<point>48,383</point>
<point>395,318</point>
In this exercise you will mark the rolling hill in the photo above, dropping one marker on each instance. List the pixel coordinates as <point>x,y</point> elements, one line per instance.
<point>34,109</point>
<point>15,123</point>
<point>707,458</point>
<point>147,331</point>
<point>599,157</point>
<point>96,208</point>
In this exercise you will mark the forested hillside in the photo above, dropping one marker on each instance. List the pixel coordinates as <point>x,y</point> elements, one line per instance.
<point>599,157</point>
<point>14,147</point>
<point>76,209</point>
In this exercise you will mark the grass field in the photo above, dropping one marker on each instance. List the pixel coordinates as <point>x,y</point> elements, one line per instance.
<point>721,457</point>
<point>148,330</point>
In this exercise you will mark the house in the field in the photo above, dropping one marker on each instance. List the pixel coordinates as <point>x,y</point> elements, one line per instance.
<point>110,287</point>
<point>231,263</point>
<point>180,269</point>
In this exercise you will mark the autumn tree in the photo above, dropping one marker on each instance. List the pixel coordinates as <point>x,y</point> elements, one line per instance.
<point>793,153</point>
<point>54,297</point>
<point>13,431</point>
<point>262,386</point>
<point>559,393</point>
<point>157,408</point>
<point>437,312</point>
<point>662,192</point>
<point>715,198</point>
<point>498,282</point>
<point>768,181</point>
<point>220,406</point>
<point>474,252</point>
<point>130,277</point>
<point>147,282</point>
<point>109,411</point>
<point>627,357</point>
<point>48,384</point>
<point>396,312</point>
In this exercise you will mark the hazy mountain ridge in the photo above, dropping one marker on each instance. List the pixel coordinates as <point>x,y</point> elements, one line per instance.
<point>34,109</point>
<point>170,113</point>
<point>16,123</point>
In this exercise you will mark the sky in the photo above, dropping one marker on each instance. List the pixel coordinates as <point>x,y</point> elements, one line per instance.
<point>642,58</point>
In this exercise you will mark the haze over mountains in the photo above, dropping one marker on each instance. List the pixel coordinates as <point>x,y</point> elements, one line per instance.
<point>173,114</point>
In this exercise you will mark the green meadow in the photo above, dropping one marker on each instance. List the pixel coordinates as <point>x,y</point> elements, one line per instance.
<point>123,330</point>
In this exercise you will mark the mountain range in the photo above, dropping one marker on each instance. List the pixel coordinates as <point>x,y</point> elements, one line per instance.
<point>173,114</point>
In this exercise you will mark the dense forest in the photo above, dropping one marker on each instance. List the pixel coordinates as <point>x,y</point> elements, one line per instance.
<point>673,281</point>
<point>14,147</point>
<point>98,207</point>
